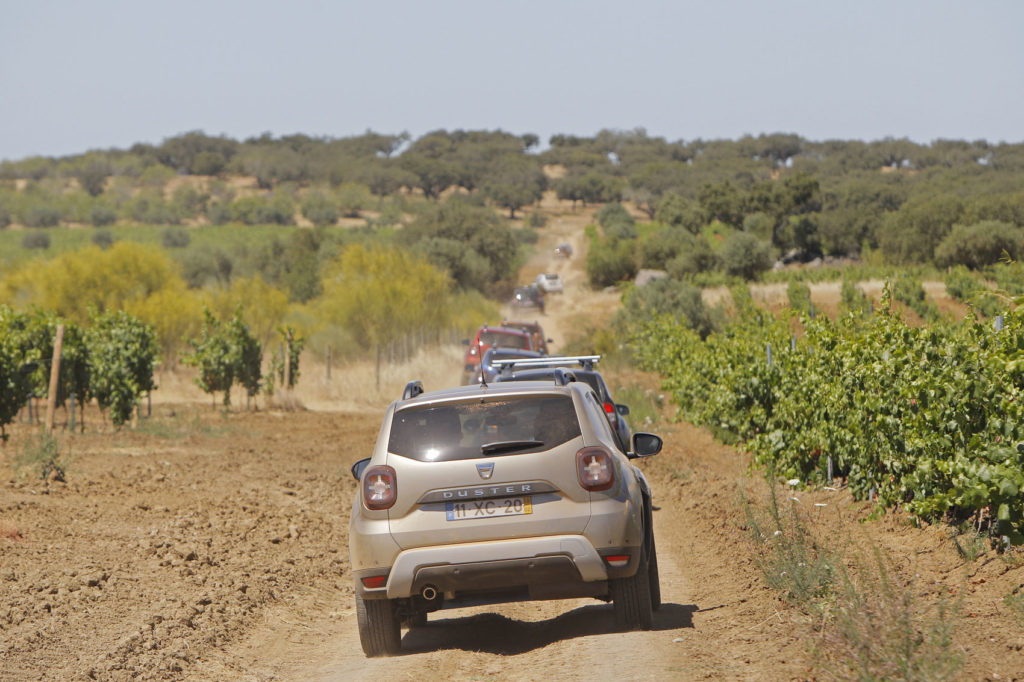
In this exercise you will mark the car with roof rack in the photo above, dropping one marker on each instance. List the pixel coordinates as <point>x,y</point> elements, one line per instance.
<point>491,363</point>
<point>486,337</point>
<point>580,367</point>
<point>499,492</point>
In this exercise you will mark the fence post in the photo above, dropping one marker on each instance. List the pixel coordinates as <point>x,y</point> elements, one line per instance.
<point>51,399</point>
<point>768,353</point>
<point>328,362</point>
<point>999,323</point>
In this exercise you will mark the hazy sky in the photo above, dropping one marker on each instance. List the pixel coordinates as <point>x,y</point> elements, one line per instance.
<point>86,74</point>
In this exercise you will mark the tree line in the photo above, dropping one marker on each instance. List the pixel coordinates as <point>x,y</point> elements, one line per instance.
<point>802,197</point>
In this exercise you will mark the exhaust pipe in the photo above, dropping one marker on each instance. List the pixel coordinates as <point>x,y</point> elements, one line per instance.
<point>429,592</point>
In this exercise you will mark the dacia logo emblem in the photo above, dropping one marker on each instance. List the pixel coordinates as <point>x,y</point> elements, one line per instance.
<point>485,470</point>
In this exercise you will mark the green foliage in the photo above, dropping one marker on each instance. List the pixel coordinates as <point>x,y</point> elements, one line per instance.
<point>610,261</point>
<point>102,214</point>
<point>175,238</point>
<point>122,354</point>
<point>964,286</point>
<point>320,209</point>
<point>980,245</point>
<point>35,240</point>
<point>678,211</point>
<point>41,216</point>
<point>263,210</point>
<point>383,295</point>
<point>908,290</point>
<point>516,182</point>
<point>18,363</point>
<point>226,352</point>
<point>669,297</point>
<point>799,295</point>
<point>746,256</point>
<point>477,229</point>
<point>852,299</point>
<point>926,418</point>
<point>102,238</point>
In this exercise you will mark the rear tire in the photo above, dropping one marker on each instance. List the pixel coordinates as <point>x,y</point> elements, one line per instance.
<point>653,579</point>
<point>379,627</point>
<point>631,598</point>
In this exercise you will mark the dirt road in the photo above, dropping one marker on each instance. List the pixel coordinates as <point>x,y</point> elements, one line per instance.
<point>205,545</point>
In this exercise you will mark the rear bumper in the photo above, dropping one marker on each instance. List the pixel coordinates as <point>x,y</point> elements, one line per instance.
<point>534,563</point>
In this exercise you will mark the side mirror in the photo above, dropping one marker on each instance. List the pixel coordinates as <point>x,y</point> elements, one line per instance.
<point>359,467</point>
<point>622,409</point>
<point>646,445</point>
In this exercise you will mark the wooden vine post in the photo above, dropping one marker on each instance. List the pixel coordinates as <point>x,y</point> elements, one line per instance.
<point>51,401</point>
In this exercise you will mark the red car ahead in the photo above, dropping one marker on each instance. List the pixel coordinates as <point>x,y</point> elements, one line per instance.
<point>488,337</point>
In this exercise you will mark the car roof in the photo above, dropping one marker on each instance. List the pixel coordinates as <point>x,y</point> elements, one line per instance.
<point>500,352</point>
<point>459,393</point>
<point>502,330</point>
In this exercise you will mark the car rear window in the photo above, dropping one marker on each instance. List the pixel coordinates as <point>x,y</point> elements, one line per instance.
<point>505,340</point>
<point>505,426</point>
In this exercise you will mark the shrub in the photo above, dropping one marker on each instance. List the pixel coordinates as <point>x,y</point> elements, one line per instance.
<point>42,455</point>
<point>102,238</point>
<point>320,209</point>
<point>219,213</point>
<point>746,256</point>
<point>5,217</point>
<point>695,256</point>
<point>799,295</point>
<point>679,211</point>
<point>609,262</point>
<point>122,354</point>
<point>668,297</point>
<point>35,240</point>
<point>41,216</point>
<point>980,245</point>
<point>102,215</point>
<point>536,219</point>
<point>175,238</point>
<point>614,214</point>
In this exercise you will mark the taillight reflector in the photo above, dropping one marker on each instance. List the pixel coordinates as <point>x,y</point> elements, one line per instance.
<point>595,469</point>
<point>380,487</point>
<point>376,581</point>
<point>617,560</point>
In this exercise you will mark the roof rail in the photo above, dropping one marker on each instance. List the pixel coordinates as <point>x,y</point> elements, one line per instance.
<point>585,361</point>
<point>412,389</point>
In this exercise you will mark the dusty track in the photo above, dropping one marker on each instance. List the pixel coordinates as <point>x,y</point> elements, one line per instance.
<point>212,546</point>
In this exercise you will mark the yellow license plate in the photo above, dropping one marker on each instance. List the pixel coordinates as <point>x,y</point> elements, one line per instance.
<point>488,509</point>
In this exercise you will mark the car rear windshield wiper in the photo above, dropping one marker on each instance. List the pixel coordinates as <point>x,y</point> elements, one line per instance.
<point>506,445</point>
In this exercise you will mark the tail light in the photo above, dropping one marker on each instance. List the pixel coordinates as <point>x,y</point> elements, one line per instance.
<point>595,469</point>
<point>380,487</point>
<point>375,582</point>
<point>609,407</point>
<point>614,560</point>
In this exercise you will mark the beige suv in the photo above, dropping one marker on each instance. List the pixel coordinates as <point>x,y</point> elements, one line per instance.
<point>495,493</point>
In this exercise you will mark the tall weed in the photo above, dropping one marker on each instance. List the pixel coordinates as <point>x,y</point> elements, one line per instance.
<point>42,456</point>
<point>880,629</point>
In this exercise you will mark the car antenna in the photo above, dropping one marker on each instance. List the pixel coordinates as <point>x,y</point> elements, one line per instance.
<point>480,364</point>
